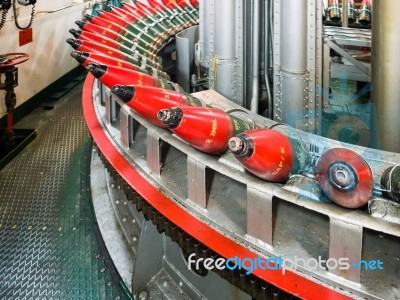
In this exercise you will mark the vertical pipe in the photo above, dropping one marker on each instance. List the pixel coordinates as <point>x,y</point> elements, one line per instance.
<point>204,32</point>
<point>293,49</point>
<point>224,62</point>
<point>263,38</point>
<point>345,13</point>
<point>225,31</point>
<point>268,49</point>
<point>256,56</point>
<point>207,31</point>
<point>386,72</point>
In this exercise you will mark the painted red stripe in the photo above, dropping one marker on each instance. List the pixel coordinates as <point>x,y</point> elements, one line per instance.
<point>290,282</point>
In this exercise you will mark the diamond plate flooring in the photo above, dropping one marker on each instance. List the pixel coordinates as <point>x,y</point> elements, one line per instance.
<point>48,246</point>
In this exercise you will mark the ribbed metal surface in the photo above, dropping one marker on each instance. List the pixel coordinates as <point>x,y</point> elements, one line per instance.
<point>48,248</point>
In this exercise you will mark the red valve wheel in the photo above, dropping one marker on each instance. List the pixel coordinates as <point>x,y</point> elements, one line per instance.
<point>12,59</point>
<point>345,177</point>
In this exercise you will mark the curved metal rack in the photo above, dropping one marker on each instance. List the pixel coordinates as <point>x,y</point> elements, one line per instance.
<point>211,206</point>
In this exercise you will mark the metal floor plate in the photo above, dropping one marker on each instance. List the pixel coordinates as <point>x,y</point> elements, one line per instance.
<point>48,246</point>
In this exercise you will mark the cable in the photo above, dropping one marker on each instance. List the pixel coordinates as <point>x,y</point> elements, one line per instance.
<point>3,18</point>
<point>16,18</point>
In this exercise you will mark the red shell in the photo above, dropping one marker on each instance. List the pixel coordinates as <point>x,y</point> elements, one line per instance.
<point>113,18</point>
<point>148,101</point>
<point>102,31</point>
<point>157,6</point>
<point>138,9</point>
<point>206,129</point>
<point>106,24</point>
<point>171,4</point>
<point>195,3</point>
<point>272,159</point>
<point>109,61</point>
<point>360,194</point>
<point>116,75</point>
<point>126,14</point>
<point>91,46</point>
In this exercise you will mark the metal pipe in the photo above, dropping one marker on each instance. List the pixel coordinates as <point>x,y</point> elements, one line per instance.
<point>386,73</point>
<point>268,49</point>
<point>263,39</point>
<point>263,44</point>
<point>256,56</point>
<point>225,61</point>
<point>44,12</point>
<point>293,48</point>
<point>204,32</point>
<point>294,35</point>
<point>225,31</point>
<point>345,13</point>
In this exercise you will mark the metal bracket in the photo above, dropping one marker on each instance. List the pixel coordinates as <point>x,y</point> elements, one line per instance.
<point>259,214</point>
<point>126,128</point>
<point>111,107</point>
<point>149,257</point>
<point>346,242</point>
<point>329,42</point>
<point>153,152</point>
<point>196,176</point>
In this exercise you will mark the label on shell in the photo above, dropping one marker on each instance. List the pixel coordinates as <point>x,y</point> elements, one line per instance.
<point>240,125</point>
<point>192,101</point>
<point>300,156</point>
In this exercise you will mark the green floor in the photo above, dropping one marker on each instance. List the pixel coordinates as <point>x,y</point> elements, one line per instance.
<point>48,245</point>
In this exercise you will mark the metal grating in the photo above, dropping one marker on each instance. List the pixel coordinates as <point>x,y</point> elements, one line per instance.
<point>48,247</point>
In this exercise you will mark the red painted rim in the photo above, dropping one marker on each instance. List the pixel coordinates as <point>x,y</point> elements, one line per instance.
<point>290,282</point>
